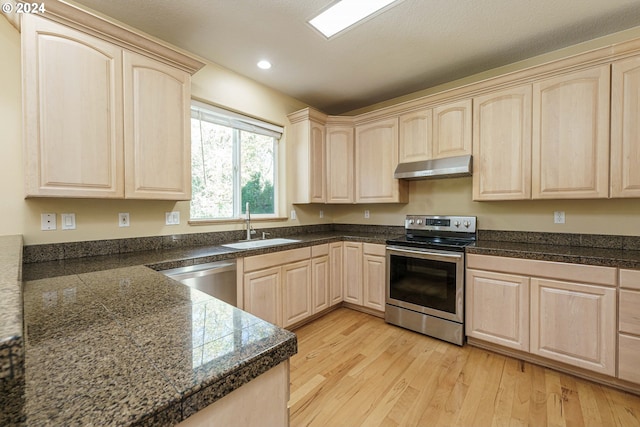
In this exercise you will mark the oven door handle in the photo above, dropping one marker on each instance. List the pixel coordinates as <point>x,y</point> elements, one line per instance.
<point>456,256</point>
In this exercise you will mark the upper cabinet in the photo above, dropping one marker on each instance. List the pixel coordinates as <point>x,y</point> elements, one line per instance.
<point>452,129</point>
<point>340,162</point>
<point>570,140</point>
<point>416,136</point>
<point>156,130</point>
<point>625,128</point>
<point>100,120</point>
<point>376,156</point>
<point>502,145</point>
<point>307,150</point>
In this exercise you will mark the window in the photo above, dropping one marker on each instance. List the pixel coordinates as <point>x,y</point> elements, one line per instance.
<point>233,162</point>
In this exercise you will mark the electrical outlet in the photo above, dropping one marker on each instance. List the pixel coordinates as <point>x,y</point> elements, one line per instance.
<point>172,218</point>
<point>48,221</point>
<point>68,221</point>
<point>558,217</point>
<point>123,219</point>
<point>293,214</point>
<point>321,213</point>
<point>366,213</point>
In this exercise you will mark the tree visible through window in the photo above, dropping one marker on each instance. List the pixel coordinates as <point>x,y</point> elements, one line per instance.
<point>232,163</point>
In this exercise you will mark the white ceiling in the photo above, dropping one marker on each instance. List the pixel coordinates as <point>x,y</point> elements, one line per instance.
<point>415,45</point>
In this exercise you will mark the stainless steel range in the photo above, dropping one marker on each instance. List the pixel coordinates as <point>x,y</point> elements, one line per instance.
<point>425,275</point>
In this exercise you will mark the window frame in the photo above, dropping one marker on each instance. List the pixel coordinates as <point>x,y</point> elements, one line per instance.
<point>238,123</point>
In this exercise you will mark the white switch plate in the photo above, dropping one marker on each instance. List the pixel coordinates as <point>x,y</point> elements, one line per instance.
<point>293,214</point>
<point>123,219</point>
<point>172,218</point>
<point>558,217</point>
<point>366,213</point>
<point>48,221</point>
<point>321,213</point>
<point>68,221</point>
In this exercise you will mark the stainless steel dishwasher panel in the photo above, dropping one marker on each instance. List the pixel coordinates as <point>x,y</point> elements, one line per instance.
<point>217,279</point>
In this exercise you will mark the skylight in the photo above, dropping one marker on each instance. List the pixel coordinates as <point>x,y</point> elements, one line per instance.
<point>346,13</point>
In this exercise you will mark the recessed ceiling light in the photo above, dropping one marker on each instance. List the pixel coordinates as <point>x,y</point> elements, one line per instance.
<point>346,13</point>
<point>264,64</point>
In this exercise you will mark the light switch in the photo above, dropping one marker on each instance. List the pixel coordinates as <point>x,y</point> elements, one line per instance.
<point>172,218</point>
<point>68,221</point>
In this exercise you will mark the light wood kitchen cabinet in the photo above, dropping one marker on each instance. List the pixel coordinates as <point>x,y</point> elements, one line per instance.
<point>571,309</point>
<point>374,275</point>
<point>502,145</point>
<point>336,271</point>
<point>497,308</point>
<point>416,136</point>
<point>262,294</point>
<point>376,157</point>
<point>452,129</point>
<point>625,128</point>
<point>102,121</point>
<point>570,137</point>
<point>340,164</point>
<point>307,154</point>
<point>629,326</point>
<point>277,286</point>
<point>296,292</point>
<point>574,323</point>
<point>157,130</point>
<point>73,112</point>
<point>352,270</point>
<point>320,278</point>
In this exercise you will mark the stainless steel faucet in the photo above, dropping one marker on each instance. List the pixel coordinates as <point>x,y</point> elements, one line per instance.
<point>247,221</point>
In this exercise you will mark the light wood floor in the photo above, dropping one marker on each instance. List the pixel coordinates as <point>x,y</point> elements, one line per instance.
<point>353,369</point>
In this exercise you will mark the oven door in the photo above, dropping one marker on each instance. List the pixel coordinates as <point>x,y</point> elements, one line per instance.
<point>426,281</point>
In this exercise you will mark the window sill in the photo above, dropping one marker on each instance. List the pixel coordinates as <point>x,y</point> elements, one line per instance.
<point>235,220</point>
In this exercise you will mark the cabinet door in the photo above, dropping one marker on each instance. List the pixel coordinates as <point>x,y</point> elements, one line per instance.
<point>497,308</point>
<point>317,166</point>
<point>376,160</point>
<point>415,136</point>
<point>336,272</point>
<point>374,281</point>
<point>320,283</point>
<point>73,112</point>
<point>340,165</point>
<point>628,357</point>
<point>570,156</point>
<point>157,130</point>
<point>352,279</point>
<point>574,323</point>
<point>296,292</point>
<point>262,294</point>
<point>625,128</point>
<point>452,129</point>
<point>502,145</point>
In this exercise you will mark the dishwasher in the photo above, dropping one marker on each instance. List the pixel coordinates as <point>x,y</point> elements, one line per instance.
<point>217,279</point>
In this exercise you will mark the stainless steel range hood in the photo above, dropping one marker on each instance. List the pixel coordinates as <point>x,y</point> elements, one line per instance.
<point>449,167</point>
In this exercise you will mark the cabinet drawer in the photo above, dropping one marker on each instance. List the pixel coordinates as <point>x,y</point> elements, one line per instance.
<point>259,262</point>
<point>374,249</point>
<point>630,279</point>
<point>628,357</point>
<point>629,312</point>
<point>320,250</point>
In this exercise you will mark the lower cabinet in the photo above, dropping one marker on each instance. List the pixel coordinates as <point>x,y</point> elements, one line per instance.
<point>336,271</point>
<point>262,294</point>
<point>320,285</point>
<point>498,308</point>
<point>568,316</point>
<point>352,280</point>
<point>296,292</point>
<point>364,274</point>
<point>629,326</point>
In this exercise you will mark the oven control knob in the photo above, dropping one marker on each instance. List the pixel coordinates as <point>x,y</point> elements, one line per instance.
<point>456,224</point>
<point>410,221</point>
<point>419,221</point>
<point>466,224</point>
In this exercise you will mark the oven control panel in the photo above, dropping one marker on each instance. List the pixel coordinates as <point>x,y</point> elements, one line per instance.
<point>466,224</point>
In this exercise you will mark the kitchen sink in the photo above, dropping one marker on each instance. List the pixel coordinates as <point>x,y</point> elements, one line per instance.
<point>254,244</point>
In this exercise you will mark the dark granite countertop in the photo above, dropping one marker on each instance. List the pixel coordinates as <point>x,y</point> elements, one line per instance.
<point>110,341</point>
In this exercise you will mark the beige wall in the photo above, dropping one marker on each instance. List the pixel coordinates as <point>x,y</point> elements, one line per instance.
<point>97,219</point>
